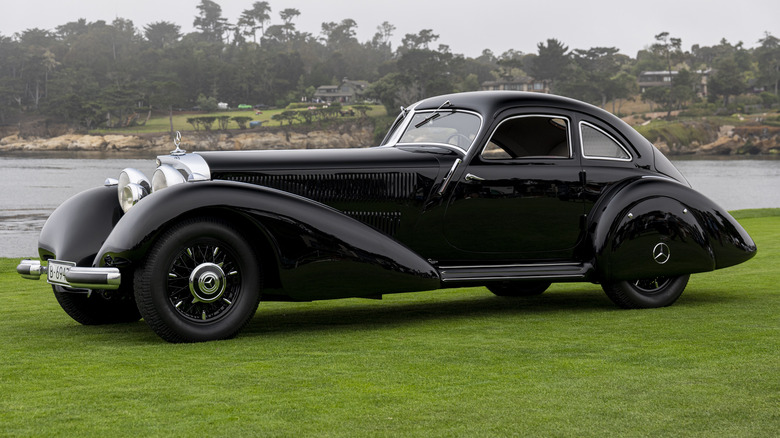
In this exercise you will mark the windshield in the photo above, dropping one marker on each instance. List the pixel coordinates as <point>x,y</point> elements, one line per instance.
<point>443,127</point>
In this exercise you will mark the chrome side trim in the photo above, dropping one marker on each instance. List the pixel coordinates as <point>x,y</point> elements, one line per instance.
<point>448,178</point>
<point>517,265</point>
<point>620,145</point>
<point>548,116</point>
<point>552,271</point>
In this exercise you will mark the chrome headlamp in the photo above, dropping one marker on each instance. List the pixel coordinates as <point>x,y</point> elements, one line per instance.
<point>133,186</point>
<point>166,176</point>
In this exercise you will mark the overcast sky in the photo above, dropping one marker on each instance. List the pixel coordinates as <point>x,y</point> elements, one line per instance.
<point>467,26</point>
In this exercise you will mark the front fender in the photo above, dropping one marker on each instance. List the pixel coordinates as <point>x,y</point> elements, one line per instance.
<point>653,226</point>
<point>79,226</point>
<point>320,252</point>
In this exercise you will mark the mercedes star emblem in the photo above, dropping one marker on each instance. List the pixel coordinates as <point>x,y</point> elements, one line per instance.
<point>661,253</point>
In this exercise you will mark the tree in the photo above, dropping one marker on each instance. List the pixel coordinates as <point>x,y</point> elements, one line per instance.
<point>768,57</point>
<point>288,15</point>
<point>593,77</point>
<point>419,41</point>
<point>253,19</point>
<point>668,48</point>
<point>162,34</point>
<point>551,62</point>
<point>381,39</point>
<point>339,35</point>
<point>727,80</point>
<point>210,21</point>
<point>207,104</point>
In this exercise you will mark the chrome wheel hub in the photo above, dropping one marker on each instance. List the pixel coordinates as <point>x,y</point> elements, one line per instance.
<point>204,282</point>
<point>207,282</point>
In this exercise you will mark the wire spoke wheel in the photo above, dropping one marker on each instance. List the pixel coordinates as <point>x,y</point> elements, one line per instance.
<point>652,286</point>
<point>200,282</point>
<point>204,281</point>
<point>646,293</point>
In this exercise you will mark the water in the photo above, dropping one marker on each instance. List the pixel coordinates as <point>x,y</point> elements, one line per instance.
<point>31,188</point>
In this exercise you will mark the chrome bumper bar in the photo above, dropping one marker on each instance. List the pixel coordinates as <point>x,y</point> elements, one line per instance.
<point>75,277</point>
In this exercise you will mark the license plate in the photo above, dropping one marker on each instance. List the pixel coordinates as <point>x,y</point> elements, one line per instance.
<point>57,270</point>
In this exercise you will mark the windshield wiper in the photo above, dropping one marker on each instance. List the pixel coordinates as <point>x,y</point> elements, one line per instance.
<point>433,116</point>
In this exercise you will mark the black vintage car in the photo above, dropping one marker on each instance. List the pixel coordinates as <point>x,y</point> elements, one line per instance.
<point>506,190</point>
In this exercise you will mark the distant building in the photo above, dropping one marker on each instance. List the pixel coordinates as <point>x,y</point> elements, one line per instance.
<point>347,92</point>
<point>516,84</point>
<point>649,79</point>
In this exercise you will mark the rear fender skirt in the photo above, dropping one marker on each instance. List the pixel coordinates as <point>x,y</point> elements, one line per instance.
<point>79,226</point>
<point>655,226</point>
<point>321,253</point>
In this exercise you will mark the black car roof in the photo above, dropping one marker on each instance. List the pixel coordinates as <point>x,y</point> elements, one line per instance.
<point>487,102</point>
<point>490,103</point>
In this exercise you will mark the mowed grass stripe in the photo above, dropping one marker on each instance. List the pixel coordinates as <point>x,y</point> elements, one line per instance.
<point>456,362</point>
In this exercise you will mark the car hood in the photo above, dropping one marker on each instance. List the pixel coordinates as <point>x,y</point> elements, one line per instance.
<point>320,159</point>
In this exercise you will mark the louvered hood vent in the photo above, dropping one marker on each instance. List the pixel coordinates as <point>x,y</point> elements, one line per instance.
<point>346,187</point>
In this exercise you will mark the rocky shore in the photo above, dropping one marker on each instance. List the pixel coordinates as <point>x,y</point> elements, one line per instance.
<point>345,136</point>
<point>722,140</point>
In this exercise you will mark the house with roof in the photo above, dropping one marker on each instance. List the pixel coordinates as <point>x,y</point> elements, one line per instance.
<point>517,84</point>
<point>347,92</point>
<point>663,78</point>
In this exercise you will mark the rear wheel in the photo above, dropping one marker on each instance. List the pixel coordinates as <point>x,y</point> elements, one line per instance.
<point>646,294</point>
<point>95,309</point>
<point>519,289</point>
<point>200,282</point>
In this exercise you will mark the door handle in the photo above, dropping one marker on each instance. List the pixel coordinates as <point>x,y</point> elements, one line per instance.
<point>472,177</point>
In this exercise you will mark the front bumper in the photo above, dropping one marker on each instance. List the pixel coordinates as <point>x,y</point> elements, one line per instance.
<point>74,276</point>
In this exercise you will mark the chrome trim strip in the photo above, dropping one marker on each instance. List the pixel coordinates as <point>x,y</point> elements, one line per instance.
<point>527,265</point>
<point>402,129</point>
<point>448,178</point>
<point>513,277</point>
<point>620,145</point>
<point>520,116</point>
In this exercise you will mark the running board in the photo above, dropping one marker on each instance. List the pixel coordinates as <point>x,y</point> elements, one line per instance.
<point>490,273</point>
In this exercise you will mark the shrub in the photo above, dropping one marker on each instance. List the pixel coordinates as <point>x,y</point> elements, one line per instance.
<point>242,121</point>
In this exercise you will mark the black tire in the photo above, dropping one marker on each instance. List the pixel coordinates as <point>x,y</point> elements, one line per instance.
<point>200,282</point>
<point>646,294</point>
<point>94,309</point>
<point>527,289</point>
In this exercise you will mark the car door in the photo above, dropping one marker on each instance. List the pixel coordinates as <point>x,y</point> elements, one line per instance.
<point>519,196</point>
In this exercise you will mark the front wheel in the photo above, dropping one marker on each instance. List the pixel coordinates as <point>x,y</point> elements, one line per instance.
<point>646,294</point>
<point>200,282</point>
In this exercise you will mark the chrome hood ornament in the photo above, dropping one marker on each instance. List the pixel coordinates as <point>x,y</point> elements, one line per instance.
<point>177,141</point>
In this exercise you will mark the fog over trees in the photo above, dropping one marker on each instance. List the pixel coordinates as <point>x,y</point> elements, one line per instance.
<point>100,74</point>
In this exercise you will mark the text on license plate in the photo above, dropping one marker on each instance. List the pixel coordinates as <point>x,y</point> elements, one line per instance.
<point>57,270</point>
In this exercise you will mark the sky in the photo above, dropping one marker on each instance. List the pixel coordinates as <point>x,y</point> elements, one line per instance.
<point>466,26</point>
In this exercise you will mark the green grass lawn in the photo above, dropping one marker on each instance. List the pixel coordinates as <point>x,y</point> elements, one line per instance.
<point>162,123</point>
<point>448,363</point>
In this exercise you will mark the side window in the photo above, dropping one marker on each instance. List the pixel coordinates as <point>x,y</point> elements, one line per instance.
<point>598,144</point>
<point>534,136</point>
